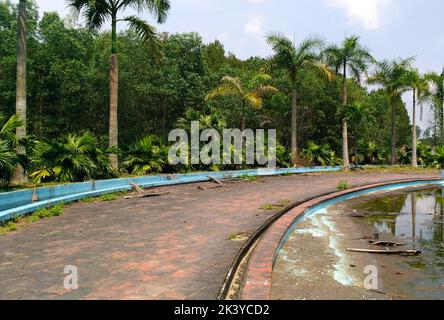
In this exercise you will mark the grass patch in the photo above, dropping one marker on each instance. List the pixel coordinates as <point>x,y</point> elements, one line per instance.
<point>242,236</point>
<point>45,213</point>
<point>343,185</point>
<point>274,206</point>
<point>286,174</point>
<point>398,169</point>
<point>268,207</point>
<point>106,197</point>
<point>249,178</point>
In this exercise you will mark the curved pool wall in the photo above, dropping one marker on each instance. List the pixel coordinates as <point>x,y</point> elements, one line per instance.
<point>18,203</point>
<point>328,203</point>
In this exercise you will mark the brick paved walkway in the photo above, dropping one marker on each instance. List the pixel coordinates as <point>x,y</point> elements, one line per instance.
<point>171,247</point>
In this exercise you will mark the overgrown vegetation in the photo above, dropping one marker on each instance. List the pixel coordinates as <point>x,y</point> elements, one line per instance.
<point>343,185</point>
<point>106,197</point>
<point>168,80</point>
<point>44,213</point>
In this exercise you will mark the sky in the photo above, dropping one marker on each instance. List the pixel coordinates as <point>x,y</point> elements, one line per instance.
<point>390,28</point>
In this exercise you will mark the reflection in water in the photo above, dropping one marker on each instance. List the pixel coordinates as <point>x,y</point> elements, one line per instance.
<point>416,215</point>
<point>417,218</point>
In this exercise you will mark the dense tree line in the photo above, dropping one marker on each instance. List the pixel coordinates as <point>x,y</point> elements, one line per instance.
<point>184,79</point>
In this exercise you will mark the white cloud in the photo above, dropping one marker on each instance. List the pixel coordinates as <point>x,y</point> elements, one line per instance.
<point>371,14</point>
<point>254,24</point>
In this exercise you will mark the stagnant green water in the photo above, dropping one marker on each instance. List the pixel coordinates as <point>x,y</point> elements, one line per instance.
<point>417,218</point>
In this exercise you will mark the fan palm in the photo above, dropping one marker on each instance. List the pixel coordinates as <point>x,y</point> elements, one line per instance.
<point>249,94</point>
<point>391,76</point>
<point>9,143</point>
<point>321,155</point>
<point>70,158</point>
<point>420,88</point>
<point>96,13</point>
<point>349,58</point>
<point>20,175</point>
<point>293,59</point>
<point>146,156</point>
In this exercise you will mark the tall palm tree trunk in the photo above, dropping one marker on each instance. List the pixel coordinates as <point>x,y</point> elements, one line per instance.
<point>414,137</point>
<point>114,97</point>
<point>345,154</point>
<point>442,112</point>
<point>243,121</point>
<point>394,149</point>
<point>20,175</point>
<point>294,128</point>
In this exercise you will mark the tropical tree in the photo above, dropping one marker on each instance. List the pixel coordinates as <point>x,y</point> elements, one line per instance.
<point>420,88</point>
<point>250,94</point>
<point>391,76</point>
<point>96,13</point>
<point>349,58</point>
<point>294,59</point>
<point>436,83</point>
<point>20,106</point>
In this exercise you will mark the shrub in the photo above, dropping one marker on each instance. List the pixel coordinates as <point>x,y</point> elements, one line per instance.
<point>8,144</point>
<point>69,159</point>
<point>321,155</point>
<point>343,185</point>
<point>148,155</point>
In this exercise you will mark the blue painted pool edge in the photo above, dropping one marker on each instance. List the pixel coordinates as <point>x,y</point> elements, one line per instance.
<point>18,203</point>
<point>325,204</point>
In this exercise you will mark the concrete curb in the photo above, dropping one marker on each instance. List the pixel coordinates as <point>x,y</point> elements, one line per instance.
<point>257,285</point>
<point>18,203</point>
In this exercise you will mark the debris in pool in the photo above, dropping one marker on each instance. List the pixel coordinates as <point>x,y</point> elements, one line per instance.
<point>399,252</point>
<point>386,244</point>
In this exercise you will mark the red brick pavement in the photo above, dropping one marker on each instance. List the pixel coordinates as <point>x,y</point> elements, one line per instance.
<point>170,247</point>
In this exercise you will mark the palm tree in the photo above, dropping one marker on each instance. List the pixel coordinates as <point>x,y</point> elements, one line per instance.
<point>20,176</point>
<point>249,94</point>
<point>436,82</point>
<point>351,57</point>
<point>293,59</point>
<point>391,76</point>
<point>9,143</point>
<point>96,13</point>
<point>419,87</point>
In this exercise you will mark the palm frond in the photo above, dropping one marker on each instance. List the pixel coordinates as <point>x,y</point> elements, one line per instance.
<point>95,12</point>
<point>147,33</point>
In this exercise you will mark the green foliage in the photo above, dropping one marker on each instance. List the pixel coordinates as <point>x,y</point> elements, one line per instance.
<point>148,155</point>
<point>439,157</point>
<point>371,154</point>
<point>9,159</point>
<point>249,178</point>
<point>343,185</point>
<point>70,158</point>
<point>55,211</point>
<point>321,155</point>
<point>68,92</point>
<point>106,197</point>
<point>44,213</point>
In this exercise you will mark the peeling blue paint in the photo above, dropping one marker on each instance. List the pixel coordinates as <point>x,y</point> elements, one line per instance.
<point>323,206</point>
<point>18,203</point>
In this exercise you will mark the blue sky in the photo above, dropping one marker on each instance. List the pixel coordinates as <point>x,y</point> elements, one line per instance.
<point>391,28</point>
